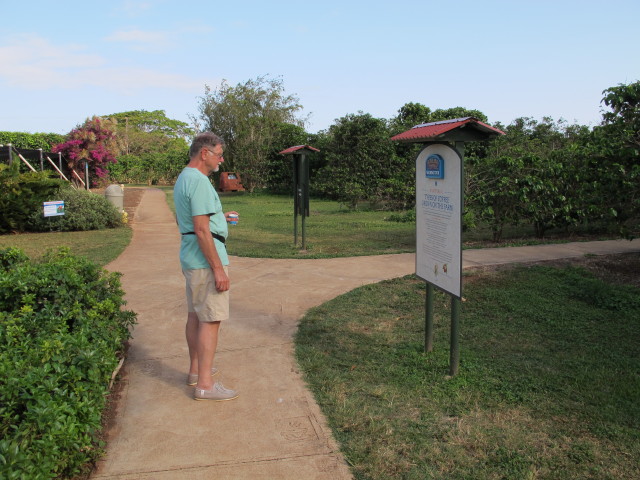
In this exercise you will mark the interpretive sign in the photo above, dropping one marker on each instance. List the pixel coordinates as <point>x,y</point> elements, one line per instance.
<point>439,217</point>
<point>55,208</point>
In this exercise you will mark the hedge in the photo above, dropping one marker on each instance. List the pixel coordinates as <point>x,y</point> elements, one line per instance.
<point>33,141</point>
<point>62,332</point>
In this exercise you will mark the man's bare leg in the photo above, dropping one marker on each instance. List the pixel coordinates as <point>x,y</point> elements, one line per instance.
<point>206,350</point>
<point>191,332</point>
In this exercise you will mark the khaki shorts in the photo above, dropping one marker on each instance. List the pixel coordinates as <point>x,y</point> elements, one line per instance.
<point>202,296</point>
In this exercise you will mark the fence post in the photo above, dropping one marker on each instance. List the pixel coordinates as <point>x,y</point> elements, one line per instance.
<point>41,160</point>
<point>10,154</point>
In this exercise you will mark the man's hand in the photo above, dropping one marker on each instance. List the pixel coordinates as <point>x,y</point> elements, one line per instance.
<point>232,219</point>
<point>222,279</point>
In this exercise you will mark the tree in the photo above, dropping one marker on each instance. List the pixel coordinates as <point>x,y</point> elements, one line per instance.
<point>624,102</point>
<point>409,115</point>
<point>248,117</point>
<point>140,131</point>
<point>280,168</point>
<point>457,112</point>
<point>94,143</point>
<point>151,148</point>
<point>399,192</point>
<point>360,159</point>
<point>527,175</point>
<point>614,165</point>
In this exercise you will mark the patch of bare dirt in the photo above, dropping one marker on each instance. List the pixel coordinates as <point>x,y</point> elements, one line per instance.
<point>619,269</point>
<point>131,200</point>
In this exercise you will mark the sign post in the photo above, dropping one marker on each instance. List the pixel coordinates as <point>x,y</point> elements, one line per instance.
<point>439,205</point>
<point>439,208</point>
<point>300,187</point>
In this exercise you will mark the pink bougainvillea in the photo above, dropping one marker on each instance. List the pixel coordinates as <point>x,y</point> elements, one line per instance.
<point>94,143</point>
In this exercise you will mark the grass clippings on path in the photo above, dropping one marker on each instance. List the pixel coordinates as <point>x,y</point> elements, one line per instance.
<point>548,387</point>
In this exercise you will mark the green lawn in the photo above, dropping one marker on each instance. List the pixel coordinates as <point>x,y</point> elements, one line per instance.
<point>548,388</point>
<point>100,246</point>
<point>266,229</point>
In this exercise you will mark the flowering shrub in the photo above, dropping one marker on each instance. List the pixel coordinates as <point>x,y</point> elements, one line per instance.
<point>94,143</point>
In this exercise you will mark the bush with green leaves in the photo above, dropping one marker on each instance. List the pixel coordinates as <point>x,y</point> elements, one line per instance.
<point>152,168</point>
<point>31,140</point>
<point>22,194</point>
<point>83,210</point>
<point>62,331</point>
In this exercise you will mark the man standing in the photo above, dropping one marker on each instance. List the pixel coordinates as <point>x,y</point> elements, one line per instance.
<point>204,261</point>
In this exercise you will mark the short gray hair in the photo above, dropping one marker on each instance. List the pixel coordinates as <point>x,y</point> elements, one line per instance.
<point>204,139</point>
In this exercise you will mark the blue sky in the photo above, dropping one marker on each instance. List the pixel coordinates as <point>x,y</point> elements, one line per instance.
<point>61,62</point>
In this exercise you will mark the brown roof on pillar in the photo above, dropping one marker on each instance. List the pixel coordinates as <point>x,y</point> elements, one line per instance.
<point>297,148</point>
<point>433,131</point>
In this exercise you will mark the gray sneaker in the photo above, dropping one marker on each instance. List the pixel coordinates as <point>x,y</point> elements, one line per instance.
<point>217,393</point>
<point>192,378</point>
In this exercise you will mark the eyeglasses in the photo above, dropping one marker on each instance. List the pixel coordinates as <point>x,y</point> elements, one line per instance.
<point>219,155</point>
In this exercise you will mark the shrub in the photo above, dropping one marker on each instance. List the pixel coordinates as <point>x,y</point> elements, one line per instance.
<point>83,210</point>
<point>21,195</point>
<point>396,193</point>
<point>31,141</point>
<point>62,330</point>
<point>403,217</point>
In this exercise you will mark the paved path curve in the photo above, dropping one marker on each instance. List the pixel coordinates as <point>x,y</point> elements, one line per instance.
<point>275,429</point>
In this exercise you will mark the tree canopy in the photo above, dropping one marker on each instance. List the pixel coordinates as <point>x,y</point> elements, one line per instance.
<point>151,148</point>
<point>546,173</point>
<point>614,154</point>
<point>248,117</point>
<point>624,102</point>
<point>359,157</point>
<point>412,114</point>
<point>139,132</point>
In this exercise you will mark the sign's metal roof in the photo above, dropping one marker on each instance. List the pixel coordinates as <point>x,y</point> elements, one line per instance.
<point>448,130</point>
<point>298,149</point>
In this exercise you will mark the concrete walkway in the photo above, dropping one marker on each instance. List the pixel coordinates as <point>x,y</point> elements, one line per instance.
<point>275,429</point>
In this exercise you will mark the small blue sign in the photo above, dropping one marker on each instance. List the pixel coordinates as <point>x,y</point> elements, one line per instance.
<point>435,166</point>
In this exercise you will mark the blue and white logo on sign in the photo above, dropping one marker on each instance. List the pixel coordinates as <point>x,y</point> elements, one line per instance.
<point>435,166</point>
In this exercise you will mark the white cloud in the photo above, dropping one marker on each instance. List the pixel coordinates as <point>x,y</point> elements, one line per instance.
<point>39,54</point>
<point>138,36</point>
<point>158,42</point>
<point>134,8</point>
<point>140,39</point>
<point>32,62</point>
<point>129,80</point>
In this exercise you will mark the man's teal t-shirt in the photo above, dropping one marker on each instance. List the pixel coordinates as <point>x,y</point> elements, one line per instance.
<point>193,195</point>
